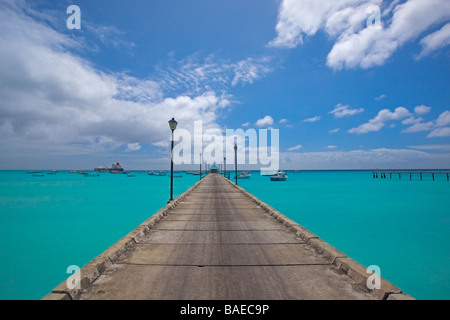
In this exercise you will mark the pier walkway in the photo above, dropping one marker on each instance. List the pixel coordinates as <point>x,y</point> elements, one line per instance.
<point>218,242</point>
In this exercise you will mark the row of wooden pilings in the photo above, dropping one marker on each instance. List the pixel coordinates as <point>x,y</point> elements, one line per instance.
<point>382,174</point>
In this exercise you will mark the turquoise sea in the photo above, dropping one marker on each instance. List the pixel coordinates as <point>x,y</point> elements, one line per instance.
<point>50,222</point>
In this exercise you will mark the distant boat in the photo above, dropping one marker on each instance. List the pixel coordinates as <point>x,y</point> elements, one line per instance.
<point>101,169</point>
<point>280,176</point>
<point>131,175</point>
<point>91,175</point>
<point>159,174</point>
<point>244,175</point>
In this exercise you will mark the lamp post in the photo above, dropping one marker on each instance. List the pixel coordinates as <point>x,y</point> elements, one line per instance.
<point>225,167</point>
<point>200,167</point>
<point>173,126</point>
<point>235,163</point>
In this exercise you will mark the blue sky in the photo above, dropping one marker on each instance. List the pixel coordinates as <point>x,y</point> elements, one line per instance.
<point>346,88</point>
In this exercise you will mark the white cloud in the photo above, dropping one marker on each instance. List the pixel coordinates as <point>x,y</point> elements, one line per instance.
<point>195,74</point>
<point>299,18</point>
<point>282,121</point>
<point>420,110</point>
<point>443,119</point>
<point>365,159</point>
<point>331,147</point>
<point>357,45</point>
<point>133,147</point>
<point>109,35</point>
<point>340,111</point>
<point>438,126</point>
<point>51,98</point>
<point>249,70</point>
<point>313,119</point>
<point>297,147</point>
<point>379,121</point>
<point>441,122</point>
<point>439,132</point>
<point>335,130</point>
<point>246,124</point>
<point>435,41</point>
<point>266,121</point>
<point>372,47</point>
<point>445,147</point>
<point>419,126</point>
<point>411,120</point>
<point>380,97</point>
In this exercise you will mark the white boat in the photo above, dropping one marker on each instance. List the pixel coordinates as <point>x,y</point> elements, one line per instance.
<point>280,176</point>
<point>244,175</point>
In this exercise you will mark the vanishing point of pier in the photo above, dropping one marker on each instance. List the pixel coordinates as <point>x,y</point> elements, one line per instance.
<point>218,242</point>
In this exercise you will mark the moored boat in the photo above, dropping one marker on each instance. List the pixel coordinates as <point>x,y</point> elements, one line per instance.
<point>280,176</point>
<point>244,175</point>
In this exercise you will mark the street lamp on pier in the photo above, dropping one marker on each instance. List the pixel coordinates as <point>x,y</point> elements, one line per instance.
<point>200,166</point>
<point>235,163</point>
<point>173,126</point>
<point>225,167</point>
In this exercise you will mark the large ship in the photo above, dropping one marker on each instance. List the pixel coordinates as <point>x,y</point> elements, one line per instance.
<point>115,168</point>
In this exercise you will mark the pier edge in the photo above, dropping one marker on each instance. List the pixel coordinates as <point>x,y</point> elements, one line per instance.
<point>341,261</point>
<point>97,266</point>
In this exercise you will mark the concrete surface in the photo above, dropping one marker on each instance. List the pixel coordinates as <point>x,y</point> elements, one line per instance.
<point>218,242</point>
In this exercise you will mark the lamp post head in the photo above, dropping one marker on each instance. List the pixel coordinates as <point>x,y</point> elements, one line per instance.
<point>173,124</point>
<point>235,147</point>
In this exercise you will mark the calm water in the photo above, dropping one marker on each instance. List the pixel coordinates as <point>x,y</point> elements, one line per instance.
<point>49,223</point>
<point>402,226</point>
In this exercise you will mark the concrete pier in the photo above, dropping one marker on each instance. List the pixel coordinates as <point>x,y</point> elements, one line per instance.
<point>218,242</point>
